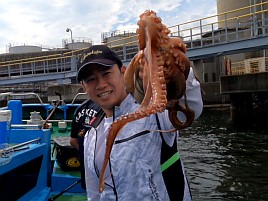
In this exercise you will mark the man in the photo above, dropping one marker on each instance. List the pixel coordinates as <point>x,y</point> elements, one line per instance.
<point>134,170</point>
<point>84,116</point>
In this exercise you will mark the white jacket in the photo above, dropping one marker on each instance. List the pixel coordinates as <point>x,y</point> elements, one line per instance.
<point>135,157</point>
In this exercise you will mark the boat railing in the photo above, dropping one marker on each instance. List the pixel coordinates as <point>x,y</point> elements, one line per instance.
<point>50,121</point>
<point>59,120</point>
<point>10,95</point>
<point>7,152</point>
<point>76,96</point>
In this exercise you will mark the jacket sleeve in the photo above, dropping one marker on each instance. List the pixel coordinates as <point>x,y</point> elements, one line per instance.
<point>194,100</point>
<point>193,96</point>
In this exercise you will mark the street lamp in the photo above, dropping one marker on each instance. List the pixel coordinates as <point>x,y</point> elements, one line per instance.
<point>70,30</point>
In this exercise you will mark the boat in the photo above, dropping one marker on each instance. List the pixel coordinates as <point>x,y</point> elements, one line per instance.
<point>29,166</point>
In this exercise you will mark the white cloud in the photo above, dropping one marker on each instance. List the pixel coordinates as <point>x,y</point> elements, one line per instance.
<point>44,23</point>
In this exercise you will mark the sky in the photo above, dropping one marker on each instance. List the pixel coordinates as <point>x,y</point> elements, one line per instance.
<point>44,22</point>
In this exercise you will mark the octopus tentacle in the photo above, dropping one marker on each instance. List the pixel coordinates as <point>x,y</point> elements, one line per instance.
<point>120,123</point>
<point>174,108</point>
<point>156,77</point>
<point>159,101</point>
<point>114,131</point>
<point>129,79</point>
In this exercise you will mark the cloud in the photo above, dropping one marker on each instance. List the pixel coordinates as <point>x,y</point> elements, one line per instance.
<point>44,22</point>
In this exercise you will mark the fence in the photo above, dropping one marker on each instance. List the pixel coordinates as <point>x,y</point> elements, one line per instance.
<point>209,31</point>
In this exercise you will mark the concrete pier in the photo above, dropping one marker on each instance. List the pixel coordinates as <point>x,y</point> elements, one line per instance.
<point>248,96</point>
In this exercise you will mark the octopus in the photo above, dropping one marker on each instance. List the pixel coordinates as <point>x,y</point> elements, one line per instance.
<point>156,78</point>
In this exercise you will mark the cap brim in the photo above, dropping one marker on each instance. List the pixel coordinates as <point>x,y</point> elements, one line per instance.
<point>103,62</point>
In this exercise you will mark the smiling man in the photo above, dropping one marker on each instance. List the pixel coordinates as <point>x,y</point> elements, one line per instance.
<point>134,169</point>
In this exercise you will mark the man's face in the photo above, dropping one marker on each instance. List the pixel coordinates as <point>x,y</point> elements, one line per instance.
<point>105,86</point>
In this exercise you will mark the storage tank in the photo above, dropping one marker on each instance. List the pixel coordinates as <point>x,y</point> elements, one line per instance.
<point>24,49</point>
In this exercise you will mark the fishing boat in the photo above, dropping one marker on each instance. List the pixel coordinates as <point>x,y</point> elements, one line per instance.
<point>29,165</point>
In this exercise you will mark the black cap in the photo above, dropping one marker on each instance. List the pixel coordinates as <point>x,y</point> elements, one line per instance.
<point>96,54</point>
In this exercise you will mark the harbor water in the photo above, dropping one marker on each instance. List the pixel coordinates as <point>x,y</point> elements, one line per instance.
<point>224,162</point>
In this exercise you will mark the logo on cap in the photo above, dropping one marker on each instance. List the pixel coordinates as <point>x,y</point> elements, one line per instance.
<point>92,52</point>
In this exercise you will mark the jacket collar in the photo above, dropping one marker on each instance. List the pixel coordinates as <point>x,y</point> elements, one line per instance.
<point>125,105</point>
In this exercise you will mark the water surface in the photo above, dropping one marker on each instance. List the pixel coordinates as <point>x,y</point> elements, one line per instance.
<point>224,162</point>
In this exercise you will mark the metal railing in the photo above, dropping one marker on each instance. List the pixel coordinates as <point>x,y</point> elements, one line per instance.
<point>216,29</point>
<point>223,27</point>
<point>36,65</point>
<point>209,31</point>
